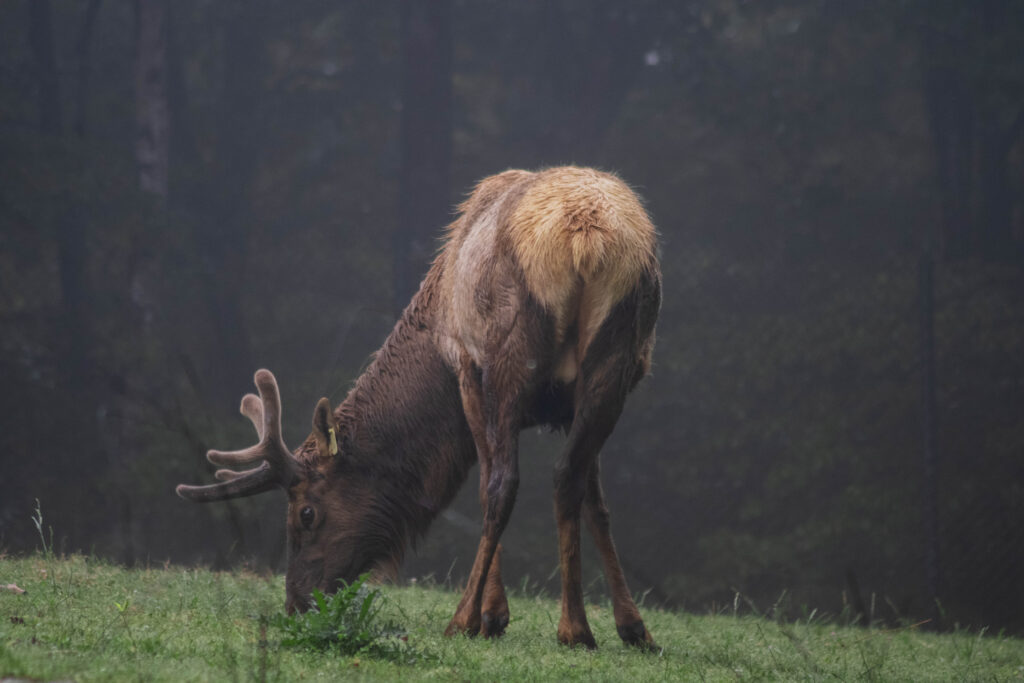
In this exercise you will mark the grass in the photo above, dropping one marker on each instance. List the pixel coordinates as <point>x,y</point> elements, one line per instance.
<point>87,620</point>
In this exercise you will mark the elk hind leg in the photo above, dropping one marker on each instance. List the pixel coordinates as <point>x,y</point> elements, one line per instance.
<point>628,622</point>
<point>599,398</point>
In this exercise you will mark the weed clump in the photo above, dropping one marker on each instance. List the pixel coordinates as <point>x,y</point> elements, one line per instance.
<point>349,622</point>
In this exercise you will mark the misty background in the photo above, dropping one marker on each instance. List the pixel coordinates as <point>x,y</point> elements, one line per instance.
<point>191,190</point>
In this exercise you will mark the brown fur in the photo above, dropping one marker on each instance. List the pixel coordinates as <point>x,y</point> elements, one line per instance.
<point>579,237</point>
<point>540,309</point>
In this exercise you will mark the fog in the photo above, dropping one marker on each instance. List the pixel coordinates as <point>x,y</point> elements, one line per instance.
<point>834,420</point>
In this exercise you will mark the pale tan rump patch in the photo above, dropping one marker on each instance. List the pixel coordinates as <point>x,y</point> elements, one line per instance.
<point>581,238</point>
<point>580,226</point>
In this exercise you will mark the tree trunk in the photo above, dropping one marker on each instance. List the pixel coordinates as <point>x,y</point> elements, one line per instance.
<point>221,235</point>
<point>995,192</point>
<point>588,74</point>
<point>84,50</point>
<point>41,39</point>
<point>973,141</point>
<point>78,453</point>
<point>929,432</point>
<point>951,114</point>
<point>235,169</point>
<point>152,116</point>
<point>426,131</point>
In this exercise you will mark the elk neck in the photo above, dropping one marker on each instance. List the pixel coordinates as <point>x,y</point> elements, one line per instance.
<point>402,429</point>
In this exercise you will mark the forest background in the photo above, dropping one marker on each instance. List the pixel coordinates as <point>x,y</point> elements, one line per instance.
<point>191,190</point>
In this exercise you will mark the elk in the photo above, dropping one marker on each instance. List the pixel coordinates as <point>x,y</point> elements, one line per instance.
<point>539,310</point>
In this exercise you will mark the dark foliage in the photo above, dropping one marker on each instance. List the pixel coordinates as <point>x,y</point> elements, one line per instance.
<point>799,157</point>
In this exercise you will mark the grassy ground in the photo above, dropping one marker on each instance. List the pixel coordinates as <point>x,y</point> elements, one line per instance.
<point>87,620</point>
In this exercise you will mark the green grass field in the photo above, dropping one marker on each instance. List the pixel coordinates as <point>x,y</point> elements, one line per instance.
<point>87,620</point>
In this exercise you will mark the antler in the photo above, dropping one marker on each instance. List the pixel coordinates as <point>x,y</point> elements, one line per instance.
<point>277,465</point>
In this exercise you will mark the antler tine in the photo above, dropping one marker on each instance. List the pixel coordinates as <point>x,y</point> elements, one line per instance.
<point>230,475</point>
<point>265,414</point>
<point>246,456</point>
<point>270,398</point>
<point>252,408</point>
<point>277,466</point>
<point>256,480</point>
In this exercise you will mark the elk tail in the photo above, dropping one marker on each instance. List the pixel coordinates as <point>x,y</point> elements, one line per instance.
<point>583,240</point>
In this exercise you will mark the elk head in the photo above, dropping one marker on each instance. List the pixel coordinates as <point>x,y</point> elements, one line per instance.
<point>323,535</point>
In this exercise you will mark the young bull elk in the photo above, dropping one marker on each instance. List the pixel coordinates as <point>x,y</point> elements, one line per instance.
<point>540,310</point>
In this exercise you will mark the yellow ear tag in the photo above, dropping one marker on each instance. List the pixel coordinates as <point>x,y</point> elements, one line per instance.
<point>334,442</point>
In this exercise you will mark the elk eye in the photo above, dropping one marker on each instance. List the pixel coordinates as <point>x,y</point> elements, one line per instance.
<point>306,516</point>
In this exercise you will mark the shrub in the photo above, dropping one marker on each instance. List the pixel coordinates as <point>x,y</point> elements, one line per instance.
<point>348,622</point>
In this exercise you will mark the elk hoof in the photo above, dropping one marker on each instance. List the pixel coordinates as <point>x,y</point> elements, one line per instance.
<point>465,626</point>
<point>574,639</point>
<point>493,624</point>
<point>637,635</point>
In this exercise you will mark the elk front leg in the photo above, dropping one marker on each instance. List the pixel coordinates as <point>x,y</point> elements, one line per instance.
<point>494,614</point>
<point>484,606</point>
<point>501,492</point>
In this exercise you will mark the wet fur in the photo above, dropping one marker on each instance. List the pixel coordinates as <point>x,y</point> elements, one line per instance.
<point>539,309</point>
<point>402,431</point>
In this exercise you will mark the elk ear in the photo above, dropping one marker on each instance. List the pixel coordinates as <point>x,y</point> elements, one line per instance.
<point>325,429</point>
